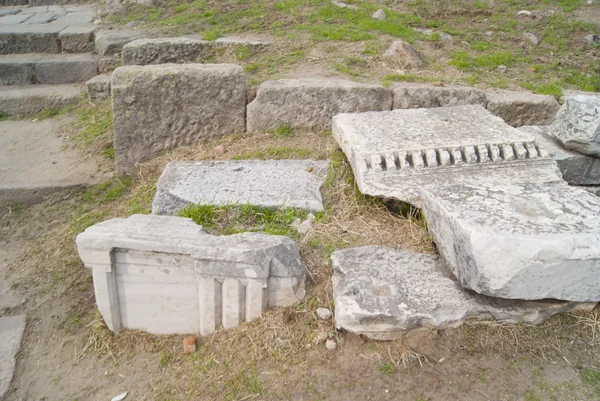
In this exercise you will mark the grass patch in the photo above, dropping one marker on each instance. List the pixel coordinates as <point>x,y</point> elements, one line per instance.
<point>277,153</point>
<point>284,131</point>
<point>388,79</point>
<point>591,378</point>
<point>95,122</point>
<point>107,191</point>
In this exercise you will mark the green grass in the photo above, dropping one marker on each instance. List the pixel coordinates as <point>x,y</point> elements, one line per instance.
<point>95,121</point>
<point>388,79</point>
<point>548,88</point>
<point>232,219</point>
<point>107,191</point>
<point>591,378</point>
<point>387,368</point>
<point>277,154</point>
<point>465,61</point>
<point>284,131</point>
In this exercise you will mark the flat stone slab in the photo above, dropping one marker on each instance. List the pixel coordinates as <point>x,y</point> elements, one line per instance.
<point>165,275</point>
<point>31,99</point>
<point>265,183</point>
<point>161,107</point>
<point>532,241</point>
<point>25,38</point>
<point>310,103</point>
<point>577,125</point>
<point>35,161</point>
<point>522,108</point>
<point>395,153</point>
<point>383,294</point>
<point>576,168</point>
<point>20,69</point>
<point>408,95</point>
<point>11,333</point>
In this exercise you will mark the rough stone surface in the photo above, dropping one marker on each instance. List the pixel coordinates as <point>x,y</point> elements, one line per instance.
<point>161,107</point>
<point>164,50</point>
<point>19,69</point>
<point>570,93</point>
<point>383,294</point>
<point>265,183</point>
<point>379,14</point>
<point>522,108</point>
<point>576,168</point>
<point>31,99</point>
<point>309,104</point>
<point>166,275</point>
<point>403,55</point>
<point>395,153</point>
<point>14,19</point>
<point>98,87</point>
<point>108,64</point>
<point>8,298</point>
<point>531,38</point>
<point>77,39</point>
<point>577,125</point>
<point>11,333</point>
<point>532,241</point>
<point>35,161</point>
<point>111,42</point>
<point>414,95</point>
<point>23,38</point>
<point>324,313</point>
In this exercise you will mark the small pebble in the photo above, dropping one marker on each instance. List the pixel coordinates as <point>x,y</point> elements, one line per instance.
<point>330,345</point>
<point>502,69</point>
<point>525,13</point>
<point>309,169</point>
<point>189,345</point>
<point>379,14</point>
<point>219,149</point>
<point>437,83</point>
<point>324,313</point>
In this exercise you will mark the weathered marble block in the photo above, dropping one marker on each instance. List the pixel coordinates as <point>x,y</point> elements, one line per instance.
<point>383,294</point>
<point>264,183</point>
<point>532,241</point>
<point>395,153</point>
<point>576,168</point>
<point>165,275</point>
<point>577,125</point>
<point>161,107</point>
<point>408,95</point>
<point>310,103</point>
<point>519,108</point>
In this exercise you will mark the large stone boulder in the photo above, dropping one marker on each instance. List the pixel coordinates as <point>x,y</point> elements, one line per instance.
<point>263,183</point>
<point>383,293</point>
<point>161,107</point>
<point>395,153</point>
<point>576,168</point>
<point>577,125</point>
<point>408,95</point>
<point>522,108</point>
<point>310,103</point>
<point>532,241</point>
<point>165,275</point>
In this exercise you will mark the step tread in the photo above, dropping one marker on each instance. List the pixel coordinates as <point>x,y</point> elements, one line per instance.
<point>27,58</point>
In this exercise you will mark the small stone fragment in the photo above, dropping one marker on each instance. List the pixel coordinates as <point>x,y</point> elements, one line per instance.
<point>379,14</point>
<point>593,39</point>
<point>324,313</point>
<point>532,38</point>
<point>577,125</point>
<point>437,83</point>
<point>309,169</point>
<point>189,345</point>
<point>502,69</point>
<point>343,5</point>
<point>525,13</point>
<point>404,55</point>
<point>219,150</point>
<point>98,87</point>
<point>330,345</point>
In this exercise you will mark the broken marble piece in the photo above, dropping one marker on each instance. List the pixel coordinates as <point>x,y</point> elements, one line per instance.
<point>263,183</point>
<point>165,275</point>
<point>383,293</point>
<point>576,168</point>
<point>394,153</point>
<point>577,125</point>
<point>531,241</point>
<point>11,333</point>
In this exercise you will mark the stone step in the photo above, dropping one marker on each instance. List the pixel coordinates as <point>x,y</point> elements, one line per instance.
<point>36,161</point>
<point>22,69</point>
<point>31,99</point>
<point>52,37</point>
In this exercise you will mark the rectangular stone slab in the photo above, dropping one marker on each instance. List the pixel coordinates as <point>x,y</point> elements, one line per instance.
<point>266,183</point>
<point>165,275</point>
<point>383,293</point>
<point>161,107</point>
<point>394,153</point>
<point>531,241</point>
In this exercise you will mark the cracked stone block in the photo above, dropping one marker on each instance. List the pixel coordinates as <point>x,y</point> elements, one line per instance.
<point>165,275</point>
<point>11,333</point>
<point>577,125</point>
<point>522,108</point>
<point>263,183</point>
<point>414,95</point>
<point>395,153</point>
<point>161,107</point>
<point>531,241</point>
<point>310,103</point>
<point>98,87</point>
<point>78,38</point>
<point>384,294</point>
<point>576,168</point>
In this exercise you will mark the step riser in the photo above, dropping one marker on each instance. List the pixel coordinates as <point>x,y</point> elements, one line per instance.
<point>57,72</point>
<point>19,39</point>
<point>19,43</point>
<point>30,100</point>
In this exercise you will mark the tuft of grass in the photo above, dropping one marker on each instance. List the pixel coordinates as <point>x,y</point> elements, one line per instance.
<point>387,368</point>
<point>95,122</point>
<point>388,79</point>
<point>591,378</point>
<point>107,191</point>
<point>278,154</point>
<point>284,131</point>
<point>548,88</point>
